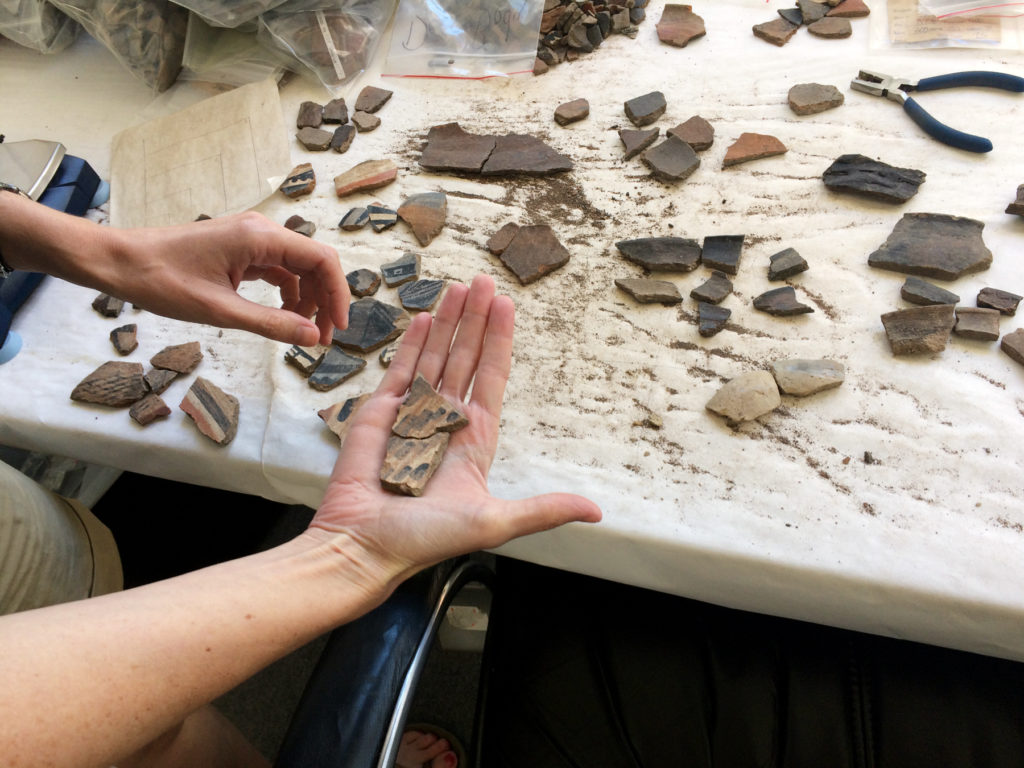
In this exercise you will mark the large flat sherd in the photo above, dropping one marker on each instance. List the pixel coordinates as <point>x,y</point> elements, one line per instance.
<point>672,160</point>
<point>304,359</point>
<point>425,214</point>
<point>534,252</point>
<point>723,252</point>
<point>451,149</point>
<point>1013,345</point>
<point>635,141</point>
<point>711,319</point>
<point>746,397</point>
<point>919,330</point>
<point>212,410</point>
<point>125,338</point>
<point>367,175</point>
<point>831,27</point>
<point>812,98</point>
<point>777,31</point>
<point>339,417</point>
<point>647,291</point>
<point>336,367</point>
<point>403,269</point>
<point>697,132</point>
<point>572,111</point>
<point>807,377</point>
<point>994,298</point>
<point>644,110</point>
<point>786,264</point>
<point>363,282</point>
<point>113,384</point>
<point>409,464</point>
<point>934,245</point>
<point>924,294</point>
<point>752,146</point>
<point>781,302</point>
<point>371,324</point>
<point>679,25</point>
<point>424,412</point>
<point>662,254</point>
<point>517,153</point>
<point>714,289</point>
<point>180,358</point>
<point>861,175</point>
<point>149,409</point>
<point>977,323</point>
<point>371,98</point>
<point>300,181</point>
<point>420,295</point>
<point>315,139</point>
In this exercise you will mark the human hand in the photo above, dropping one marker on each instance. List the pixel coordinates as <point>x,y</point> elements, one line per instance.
<point>456,513</point>
<point>192,272</point>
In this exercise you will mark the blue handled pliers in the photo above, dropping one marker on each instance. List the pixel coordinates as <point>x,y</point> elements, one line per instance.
<point>896,88</point>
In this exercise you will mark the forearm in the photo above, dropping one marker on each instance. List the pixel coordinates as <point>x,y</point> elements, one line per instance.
<point>88,682</point>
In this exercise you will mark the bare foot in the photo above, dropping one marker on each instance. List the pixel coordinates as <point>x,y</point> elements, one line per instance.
<point>418,750</point>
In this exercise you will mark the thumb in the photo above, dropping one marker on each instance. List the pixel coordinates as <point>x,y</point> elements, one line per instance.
<point>547,511</point>
<point>273,323</point>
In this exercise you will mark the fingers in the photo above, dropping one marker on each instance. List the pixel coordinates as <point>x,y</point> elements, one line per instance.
<point>495,362</point>
<point>465,351</point>
<point>435,354</point>
<point>542,513</point>
<point>276,324</point>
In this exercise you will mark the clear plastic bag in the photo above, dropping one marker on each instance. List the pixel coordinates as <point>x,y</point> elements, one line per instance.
<point>229,13</point>
<point>227,56</point>
<point>948,9</point>
<point>36,24</point>
<point>332,41</point>
<point>464,38</point>
<point>147,36</point>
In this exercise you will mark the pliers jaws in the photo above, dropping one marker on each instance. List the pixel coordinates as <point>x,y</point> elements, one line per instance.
<point>897,88</point>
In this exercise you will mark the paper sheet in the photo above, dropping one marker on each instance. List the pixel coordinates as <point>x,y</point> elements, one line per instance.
<point>222,155</point>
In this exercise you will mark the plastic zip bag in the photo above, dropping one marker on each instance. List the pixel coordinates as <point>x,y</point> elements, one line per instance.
<point>229,13</point>
<point>464,38</point>
<point>948,9</point>
<point>36,24</point>
<point>147,36</point>
<point>904,25</point>
<point>332,41</point>
<point>227,56</point>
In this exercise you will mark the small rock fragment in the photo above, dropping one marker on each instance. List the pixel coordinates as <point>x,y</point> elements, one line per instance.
<point>180,358</point>
<point>977,323</point>
<point>711,319</point>
<point>335,111</point>
<point>305,359</point>
<point>158,379</point>
<point>650,421</point>
<point>831,27</point>
<point>934,245</point>
<point>781,302</point>
<point>420,294</point>
<point>499,241</point>
<point>746,397</point>
<point>365,122</point>
<point>298,224</point>
<point>1017,206</point>
<point>679,25</point>
<point>1013,345</point>
<point>113,384</point>
<point>425,214</point>
<point>723,252</point>
<point>149,409</point>
<point>850,9</point>
<point>672,160</point>
<point>540,66</point>
<point>449,148</point>
<point>752,146</point>
<point>337,366</point>
<point>811,98</point>
<point>108,306</point>
<point>125,338</point>
<point>921,292</point>
<point>424,413</point>
<point>636,141</point>
<point>214,412</point>
<point>314,139</point>
<point>367,175</point>
<point>662,254</point>
<point>792,15</point>
<point>371,99</point>
<point>647,291</point>
<point>300,181</point>
<point>355,219</point>
<point>697,132</point>
<point>572,111</point>
<point>342,138</point>
<point>872,178</point>
<point>371,324</point>
<point>339,417</point>
<point>714,289</point>
<point>381,217</point>
<point>363,282</point>
<point>777,31</point>
<point>920,330</point>
<point>534,252</point>
<point>1004,301</point>
<point>311,115</point>
<point>786,264</point>
<point>409,464</point>
<point>519,153</point>
<point>644,110</point>
<point>811,10</point>
<point>807,377</point>
<point>403,269</point>
<point>387,355</point>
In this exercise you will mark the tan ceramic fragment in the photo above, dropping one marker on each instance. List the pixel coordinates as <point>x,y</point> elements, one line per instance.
<point>425,412</point>
<point>409,464</point>
<point>180,358</point>
<point>746,397</point>
<point>114,384</point>
<point>919,330</point>
<point>370,174</point>
<point>752,146</point>
<point>339,417</point>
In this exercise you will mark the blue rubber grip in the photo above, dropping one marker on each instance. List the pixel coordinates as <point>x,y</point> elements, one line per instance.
<point>943,132</point>
<point>976,79</point>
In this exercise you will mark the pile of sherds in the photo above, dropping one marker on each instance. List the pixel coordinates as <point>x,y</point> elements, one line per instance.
<point>829,19</point>
<point>313,115</point>
<point>756,393</point>
<point>569,29</point>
